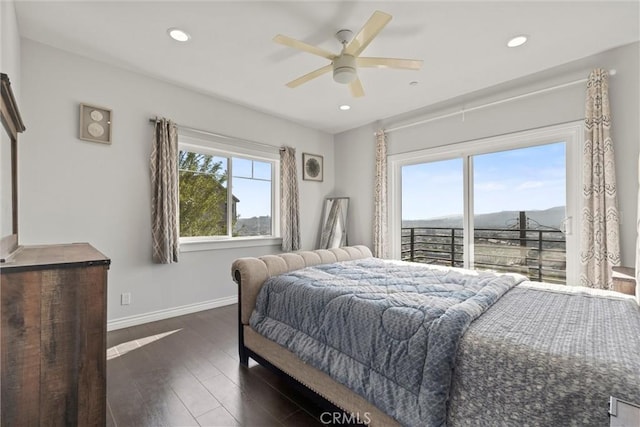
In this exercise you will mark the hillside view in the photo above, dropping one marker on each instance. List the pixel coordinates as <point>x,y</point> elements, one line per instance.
<point>549,218</point>
<point>256,226</point>
<point>499,243</point>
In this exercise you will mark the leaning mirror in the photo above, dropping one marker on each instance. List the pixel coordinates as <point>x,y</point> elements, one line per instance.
<point>11,126</point>
<point>334,223</point>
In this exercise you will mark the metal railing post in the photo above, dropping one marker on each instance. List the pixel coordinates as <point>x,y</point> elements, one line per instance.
<point>412,242</point>
<point>540,255</point>
<point>523,228</point>
<point>453,246</point>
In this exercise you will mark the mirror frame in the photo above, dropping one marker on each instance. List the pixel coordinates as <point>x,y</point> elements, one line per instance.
<point>12,123</point>
<point>328,203</point>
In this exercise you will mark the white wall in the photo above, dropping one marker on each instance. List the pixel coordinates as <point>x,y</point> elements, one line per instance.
<point>73,190</point>
<point>354,150</point>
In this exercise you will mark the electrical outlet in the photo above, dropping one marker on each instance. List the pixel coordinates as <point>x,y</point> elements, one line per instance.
<point>125,298</point>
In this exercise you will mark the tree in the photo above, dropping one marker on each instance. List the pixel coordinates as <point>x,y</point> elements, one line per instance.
<point>203,195</point>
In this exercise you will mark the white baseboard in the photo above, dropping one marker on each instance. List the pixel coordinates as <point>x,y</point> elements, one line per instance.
<point>138,319</point>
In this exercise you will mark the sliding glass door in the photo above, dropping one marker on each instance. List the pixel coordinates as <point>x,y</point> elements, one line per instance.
<point>519,209</point>
<point>432,212</point>
<point>500,205</point>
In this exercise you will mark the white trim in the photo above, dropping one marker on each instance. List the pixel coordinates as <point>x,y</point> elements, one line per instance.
<point>490,144</point>
<point>571,133</point>
<point>228,141</point>
<point>210,147</point>
<point>394,212</point>
<point>574,147</point>
<point>467,216</point>
<point>195,244</point>
<point>152,316</point>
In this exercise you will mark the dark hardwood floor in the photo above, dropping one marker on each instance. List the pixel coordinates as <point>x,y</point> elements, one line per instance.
<point>185,371</point>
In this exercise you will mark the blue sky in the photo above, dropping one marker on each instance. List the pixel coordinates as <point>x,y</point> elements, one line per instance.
<point>523,179</point>
<point>254,194</point>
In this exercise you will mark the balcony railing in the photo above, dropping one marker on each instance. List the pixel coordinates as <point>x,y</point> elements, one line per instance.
<point>539,254</point>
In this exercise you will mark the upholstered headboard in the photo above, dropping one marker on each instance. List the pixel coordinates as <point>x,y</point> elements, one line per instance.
<point>251,273</point>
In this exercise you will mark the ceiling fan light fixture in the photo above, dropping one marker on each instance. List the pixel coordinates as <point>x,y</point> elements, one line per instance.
<point>344,69</point>
<point>344,75</point>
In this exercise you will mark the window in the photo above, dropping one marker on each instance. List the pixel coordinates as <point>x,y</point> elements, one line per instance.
<point>504,204</point>
<point>226,193</point>
<point>432,220</point>
<point>519,210</point>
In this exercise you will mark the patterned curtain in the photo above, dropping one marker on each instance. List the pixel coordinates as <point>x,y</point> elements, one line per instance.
<point>600,243</point>
<point>164,192</point>
<point>380,249</point>
<point>289,200</point>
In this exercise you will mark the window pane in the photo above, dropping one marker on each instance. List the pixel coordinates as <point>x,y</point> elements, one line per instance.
<point>519,208</point>
<point>203,194</point>
<point>242,167</point>
<point>432,210</point>
<point>262,170</point>
<point>252,201</point>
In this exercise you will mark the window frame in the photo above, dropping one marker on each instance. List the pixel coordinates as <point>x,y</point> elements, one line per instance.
<point>229,148</point>
<point>571,133</point>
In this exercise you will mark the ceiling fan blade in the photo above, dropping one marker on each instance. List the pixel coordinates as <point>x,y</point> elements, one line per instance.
<point>297,44</point>
<point>310,76</point>
<point>406,64</point>
<point>374,25</point>
<point>356,88</point>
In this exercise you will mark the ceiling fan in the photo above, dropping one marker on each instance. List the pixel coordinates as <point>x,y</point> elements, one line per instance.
<point>345,65</point>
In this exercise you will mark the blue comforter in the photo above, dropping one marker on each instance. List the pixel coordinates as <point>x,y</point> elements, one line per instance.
<point>388,330</point>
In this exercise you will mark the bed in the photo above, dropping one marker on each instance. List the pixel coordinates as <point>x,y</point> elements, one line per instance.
<point>395,343</point>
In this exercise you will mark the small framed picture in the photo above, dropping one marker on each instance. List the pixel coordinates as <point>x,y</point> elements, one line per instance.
<point>95,123</point>
<point>311,167</point>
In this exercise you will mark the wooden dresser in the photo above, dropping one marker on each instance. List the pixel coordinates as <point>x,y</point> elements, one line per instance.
<point>53,336</point>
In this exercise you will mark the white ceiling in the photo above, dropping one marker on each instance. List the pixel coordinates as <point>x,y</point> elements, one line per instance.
<point>232,56</point>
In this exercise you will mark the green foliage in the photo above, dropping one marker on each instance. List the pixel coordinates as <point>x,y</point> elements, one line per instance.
<point>203,195</point>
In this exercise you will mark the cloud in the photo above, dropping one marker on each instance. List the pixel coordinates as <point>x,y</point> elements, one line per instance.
<point>490,186</point>
<point>527,185</point>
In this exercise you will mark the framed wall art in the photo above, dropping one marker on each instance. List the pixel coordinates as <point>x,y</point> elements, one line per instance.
<point>311,167</point>
<point>95,123</point>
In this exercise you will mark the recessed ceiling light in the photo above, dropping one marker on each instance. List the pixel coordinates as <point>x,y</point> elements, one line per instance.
<point>178,35</point>
<point>414,83</point>
<point>517,41</point>
<point>345,107</point>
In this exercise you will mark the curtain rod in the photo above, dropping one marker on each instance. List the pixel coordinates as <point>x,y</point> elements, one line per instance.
<point>490,104</point>
<point>219,135</point>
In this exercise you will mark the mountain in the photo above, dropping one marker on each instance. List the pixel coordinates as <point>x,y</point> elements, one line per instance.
<point>256,226</point>
<point>548,218</point>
